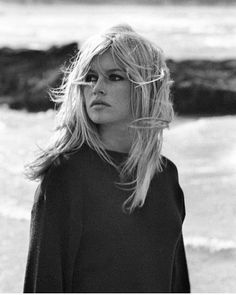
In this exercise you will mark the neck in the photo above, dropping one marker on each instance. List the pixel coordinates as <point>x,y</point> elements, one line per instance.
<point>116,138</point>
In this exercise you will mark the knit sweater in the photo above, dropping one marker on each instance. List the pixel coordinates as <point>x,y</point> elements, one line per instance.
<point>82,241</point>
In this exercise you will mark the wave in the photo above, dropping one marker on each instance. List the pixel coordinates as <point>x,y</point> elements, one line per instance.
<point>212,245</point>
<point>187,124</point>
<point>10,210</point>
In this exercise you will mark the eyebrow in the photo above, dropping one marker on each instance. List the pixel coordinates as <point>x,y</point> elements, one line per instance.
<point>109,71</point>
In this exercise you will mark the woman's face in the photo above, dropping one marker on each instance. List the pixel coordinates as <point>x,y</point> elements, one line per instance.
<point>107,100</point>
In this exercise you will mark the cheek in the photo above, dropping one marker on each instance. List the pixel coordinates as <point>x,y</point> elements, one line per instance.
<point>126,96</point>
<point>85,103</point>
<point>86,96</point>
<point>123,105</point>
<point>124,93</point>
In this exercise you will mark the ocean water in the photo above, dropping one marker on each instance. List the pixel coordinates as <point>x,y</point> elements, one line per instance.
<point>183,32</point>
<point>204,150</point>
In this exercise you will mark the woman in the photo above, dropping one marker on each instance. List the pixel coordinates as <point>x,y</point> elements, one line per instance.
<point>108,214</point>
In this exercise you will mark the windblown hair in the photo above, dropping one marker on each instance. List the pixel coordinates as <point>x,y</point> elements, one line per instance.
<point>150,104</point>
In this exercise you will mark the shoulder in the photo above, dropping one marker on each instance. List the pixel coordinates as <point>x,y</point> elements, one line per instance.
<point>65,162</point>
<point>169,168</point>
<point>65,171</point>
<point>70,159</point>
<point>60,191</point>
<point>170,173</point>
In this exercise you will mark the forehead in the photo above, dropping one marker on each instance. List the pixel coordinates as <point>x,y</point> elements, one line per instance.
<point>104,62</point>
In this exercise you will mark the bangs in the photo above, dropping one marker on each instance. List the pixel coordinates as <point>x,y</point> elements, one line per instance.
<point>94,47</point>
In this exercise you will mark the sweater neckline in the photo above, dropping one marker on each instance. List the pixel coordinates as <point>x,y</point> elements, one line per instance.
<point>117,157</point>
<point>116,153</point>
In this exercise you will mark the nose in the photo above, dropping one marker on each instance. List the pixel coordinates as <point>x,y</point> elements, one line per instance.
<point>99,87</point>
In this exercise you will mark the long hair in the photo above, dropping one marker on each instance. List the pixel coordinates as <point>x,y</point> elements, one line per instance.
<point>150,104</point>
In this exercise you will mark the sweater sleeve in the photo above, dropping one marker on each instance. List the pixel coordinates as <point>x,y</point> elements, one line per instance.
<point>180,277</point>
<point>54,237</point>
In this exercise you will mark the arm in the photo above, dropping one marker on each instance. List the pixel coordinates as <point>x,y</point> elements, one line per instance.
<point>54,236</point>
<point>43,271</point>
<point>180,278</point>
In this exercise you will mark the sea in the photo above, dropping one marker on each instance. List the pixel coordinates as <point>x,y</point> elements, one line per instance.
<point>183,32</point>
<point>203,148</point>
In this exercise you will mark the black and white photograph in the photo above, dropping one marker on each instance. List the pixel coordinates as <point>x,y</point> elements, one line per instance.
<point>118,146</point>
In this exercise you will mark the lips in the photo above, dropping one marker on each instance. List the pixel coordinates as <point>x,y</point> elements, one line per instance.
<point>99,102</point>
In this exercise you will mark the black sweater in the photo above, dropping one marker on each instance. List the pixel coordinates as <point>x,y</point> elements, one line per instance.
<point>81,241</point>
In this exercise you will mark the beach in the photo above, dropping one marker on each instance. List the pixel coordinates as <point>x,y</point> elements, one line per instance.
<point>203,148</point>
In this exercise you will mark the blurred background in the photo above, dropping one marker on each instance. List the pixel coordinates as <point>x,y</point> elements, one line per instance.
<point>37,40</point>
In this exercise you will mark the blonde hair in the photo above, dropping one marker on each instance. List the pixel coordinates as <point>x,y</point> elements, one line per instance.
<point>150,104</point>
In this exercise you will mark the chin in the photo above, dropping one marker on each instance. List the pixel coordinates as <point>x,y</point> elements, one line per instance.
<point>100,120</point>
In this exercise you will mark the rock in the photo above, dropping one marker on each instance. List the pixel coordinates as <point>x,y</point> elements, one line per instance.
<point>204,87</point>
<point>201,87</point>
<point>27,75</point>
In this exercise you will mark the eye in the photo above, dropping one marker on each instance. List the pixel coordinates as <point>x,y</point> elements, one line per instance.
<point>115,77</point>
<point>91,78</point>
